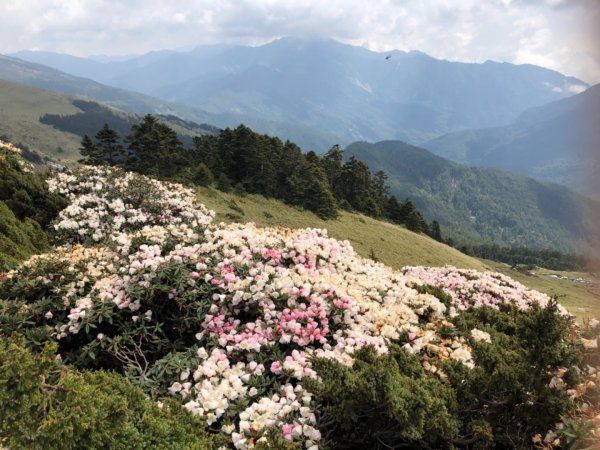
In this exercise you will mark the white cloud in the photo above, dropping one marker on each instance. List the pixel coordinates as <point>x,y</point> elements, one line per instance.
<point>554,33</point>
<point>576,88</point>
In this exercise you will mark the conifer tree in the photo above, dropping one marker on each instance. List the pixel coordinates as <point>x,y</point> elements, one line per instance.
<point>380,186</point>
<point>156,147</point>
<point>332,165</point>
<point>202,175</point>
<point>356,187</point>
<point>206,151</point>
<point>412,218</point>
<point>109,146</point>
<point>92,155</point>
<point>393,209</point>
<point>317,195</point>
<point>435,232</point>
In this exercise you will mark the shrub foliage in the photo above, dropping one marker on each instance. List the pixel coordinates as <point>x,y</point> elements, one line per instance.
<point>45,405</point>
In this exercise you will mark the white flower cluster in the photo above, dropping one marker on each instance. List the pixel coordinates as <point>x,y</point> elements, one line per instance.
<point>479,335</point>
<point>472,289</point>
<point>276,411</point>
<point>9,148</point>
<point>13,153</point>
<point>106,202</point>
<point>217,383</point>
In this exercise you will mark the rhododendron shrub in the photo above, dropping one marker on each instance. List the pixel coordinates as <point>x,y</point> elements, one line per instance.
<point>106,202</point>
<point>244,326</point>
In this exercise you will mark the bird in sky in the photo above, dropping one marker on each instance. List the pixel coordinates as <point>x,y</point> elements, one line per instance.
<point>388,57</point>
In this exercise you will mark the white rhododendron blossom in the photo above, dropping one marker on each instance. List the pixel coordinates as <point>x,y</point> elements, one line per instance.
<point>267,300</point>
<point>8,149</point>
<point>107,202</point>
<point>472,289</point>
<point>479,335</point>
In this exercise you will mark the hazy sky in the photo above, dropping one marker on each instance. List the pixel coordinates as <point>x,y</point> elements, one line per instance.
<point>558,34</point>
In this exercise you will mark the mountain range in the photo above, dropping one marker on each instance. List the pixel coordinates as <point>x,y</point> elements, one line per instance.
<point>344,92</point>
<point>472,204</point>
<point>555,142</point>
<point>44,77</point>
<point>54,123</point>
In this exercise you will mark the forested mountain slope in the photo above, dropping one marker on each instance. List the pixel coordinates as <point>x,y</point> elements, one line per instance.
<point>481,203</point>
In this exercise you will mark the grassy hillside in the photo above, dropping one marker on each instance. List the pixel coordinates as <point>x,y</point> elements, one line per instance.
<point>395,246</point>
<point>54,123</point>
<point>578,292</point>
<point>22,107</point>
<point>391,244</point>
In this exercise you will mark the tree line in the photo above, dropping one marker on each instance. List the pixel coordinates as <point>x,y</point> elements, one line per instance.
<point>242,160</point>
<point>532,257</point>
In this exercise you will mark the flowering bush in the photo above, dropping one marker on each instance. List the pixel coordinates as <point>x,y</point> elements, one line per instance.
<point>106,202</point>
<point>472,289</point>
<point>235,321</point>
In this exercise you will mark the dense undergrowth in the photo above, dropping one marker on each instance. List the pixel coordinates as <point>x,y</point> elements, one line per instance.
<point>271,338</point>
<point>26,208</point>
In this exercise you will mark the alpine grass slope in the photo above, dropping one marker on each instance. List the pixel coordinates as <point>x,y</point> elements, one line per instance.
<point>253,329</point>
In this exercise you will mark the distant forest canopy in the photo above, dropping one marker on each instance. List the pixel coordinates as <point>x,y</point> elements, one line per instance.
<point>530,257</point>
<point>240,159</point>
<point>92,113</point>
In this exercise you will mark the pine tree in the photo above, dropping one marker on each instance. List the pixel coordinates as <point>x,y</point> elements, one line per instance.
<point>317,195</point>
<point>332,165</point>
<point>356,187</point>
<point>109,146</point>
<point>202,175</point>
<point>393,209</point>
<point>206,152</point>
<point>407,209</point>
<point>92,155</point>
<point>412,218</point>
<point>435,232</point>
<point>157,148</point>
<point>223,183</point>
<point>381,188</point>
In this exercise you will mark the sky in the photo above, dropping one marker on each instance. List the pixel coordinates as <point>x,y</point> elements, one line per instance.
<point>557,34</point>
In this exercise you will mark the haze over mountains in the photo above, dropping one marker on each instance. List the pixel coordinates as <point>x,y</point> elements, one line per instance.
<point>348,92</point>
<point>472,204</point>
<point>37,75</point>
<point>54,123</point>
<point>555,142</point>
